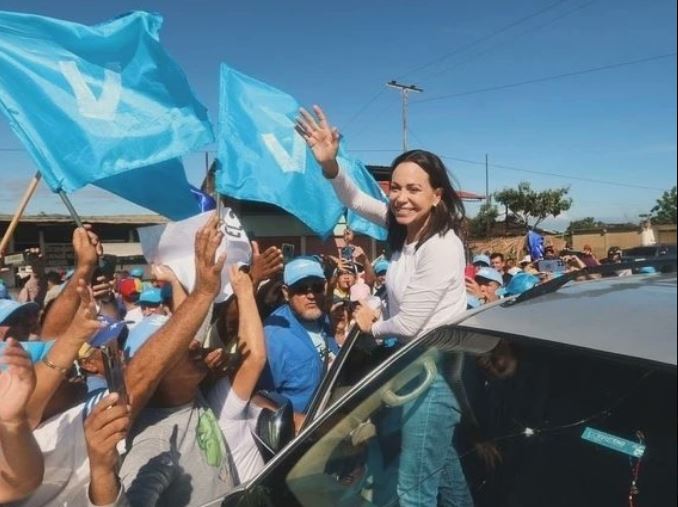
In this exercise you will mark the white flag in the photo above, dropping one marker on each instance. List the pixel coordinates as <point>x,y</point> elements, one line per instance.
<point>173,244</point>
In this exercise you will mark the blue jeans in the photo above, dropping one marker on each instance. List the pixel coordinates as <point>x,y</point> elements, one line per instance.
<point>429,464</point>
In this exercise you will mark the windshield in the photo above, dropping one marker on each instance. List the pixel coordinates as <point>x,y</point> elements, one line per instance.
<point>494,420</point>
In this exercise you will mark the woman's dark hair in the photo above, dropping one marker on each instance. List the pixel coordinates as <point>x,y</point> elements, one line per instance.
<point>447,214</point>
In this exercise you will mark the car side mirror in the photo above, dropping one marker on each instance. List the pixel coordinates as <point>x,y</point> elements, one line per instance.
<point>275,424</point>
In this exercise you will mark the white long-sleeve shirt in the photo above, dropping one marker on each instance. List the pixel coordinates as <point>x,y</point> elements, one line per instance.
<point>425,288</point>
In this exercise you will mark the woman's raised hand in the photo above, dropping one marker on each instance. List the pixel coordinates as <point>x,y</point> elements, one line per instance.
<point>320,137</point>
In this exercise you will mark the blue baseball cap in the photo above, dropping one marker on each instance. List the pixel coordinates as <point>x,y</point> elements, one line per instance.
<point>520,283</point>
<point>482,259</point>
<point>301,268</point>
<point>142,332</point>
<point>110,330</point>
<point>490,274</point>
<point>647,270</point>
<point>381,266</point>
<point>137,273</point>
<point>9,308</point>
<point>36,350</point>
<point>151,297</point>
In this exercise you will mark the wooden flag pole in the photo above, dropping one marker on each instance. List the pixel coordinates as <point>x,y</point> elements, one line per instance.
<point>32,186</point>
<point>70,208</point>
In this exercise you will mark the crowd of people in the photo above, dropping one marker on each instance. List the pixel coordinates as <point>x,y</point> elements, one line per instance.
<point>118,388</point>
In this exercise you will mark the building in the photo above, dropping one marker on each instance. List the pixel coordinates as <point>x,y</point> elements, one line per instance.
<point>266,223</point>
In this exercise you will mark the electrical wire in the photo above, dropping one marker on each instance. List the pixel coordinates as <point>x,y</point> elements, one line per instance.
<point>458,50</point>
<point>362,109</point>
<point>513,39</point>
<point>546,78</point>
<point>484,38</point>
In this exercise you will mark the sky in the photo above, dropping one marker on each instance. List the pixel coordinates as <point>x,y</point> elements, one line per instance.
<point>515,81</point>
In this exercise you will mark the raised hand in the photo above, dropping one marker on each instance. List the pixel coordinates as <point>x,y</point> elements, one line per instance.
<point>84,324</point>
<point>163,273</point>
<point>87,247</point>
<point>104,428</point>
<point>102,290</point>
<point>207,266</point>
<point>17,382</point>
<point>240,282</point>
<point>319,135</point>
<point>265,265</point>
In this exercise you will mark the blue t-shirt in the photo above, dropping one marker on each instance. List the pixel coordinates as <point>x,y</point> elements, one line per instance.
<point>295,367</point>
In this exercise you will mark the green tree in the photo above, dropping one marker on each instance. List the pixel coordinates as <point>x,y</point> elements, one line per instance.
<point>664,211</point>
<point>531,207</point>
<point>483,222</point>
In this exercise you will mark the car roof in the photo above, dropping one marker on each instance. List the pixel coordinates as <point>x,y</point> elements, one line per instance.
<point>633,316</point>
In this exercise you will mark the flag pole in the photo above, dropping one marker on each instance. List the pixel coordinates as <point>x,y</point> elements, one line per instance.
<point>32,186</point>
<point>70,208</point>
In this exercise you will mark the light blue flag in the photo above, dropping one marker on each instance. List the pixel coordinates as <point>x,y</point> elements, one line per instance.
<point>363,179</point>
<point>92,102</point>
<point>162,188</point>
<point>262,158</point>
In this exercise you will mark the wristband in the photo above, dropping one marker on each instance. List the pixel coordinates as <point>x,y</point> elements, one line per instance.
<point>53,366</point>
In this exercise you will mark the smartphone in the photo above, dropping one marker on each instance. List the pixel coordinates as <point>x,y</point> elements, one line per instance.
<point>470,271</point>
<point>113,371</point>
<point>287,251</point>
<point>347,253</point>
<point>551,266</point>
<point>106,268</point>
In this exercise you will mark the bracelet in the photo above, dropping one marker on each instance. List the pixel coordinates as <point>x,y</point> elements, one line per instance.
<point>53,366</point>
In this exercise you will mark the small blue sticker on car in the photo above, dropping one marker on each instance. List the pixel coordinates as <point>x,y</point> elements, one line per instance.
<point>613,442</point>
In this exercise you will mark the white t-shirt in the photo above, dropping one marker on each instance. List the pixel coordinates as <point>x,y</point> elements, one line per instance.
<point>62,442</point>
<point>133,317</point>
<point>425,288</point>
<point>237,419</point>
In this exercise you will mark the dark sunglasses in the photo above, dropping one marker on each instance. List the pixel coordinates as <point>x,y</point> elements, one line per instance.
<point>305,288</point>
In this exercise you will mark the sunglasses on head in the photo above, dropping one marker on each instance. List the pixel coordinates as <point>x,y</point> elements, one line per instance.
<point>305,288</point>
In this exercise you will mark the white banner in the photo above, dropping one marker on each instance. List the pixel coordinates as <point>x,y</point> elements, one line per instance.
<point>173,244</point>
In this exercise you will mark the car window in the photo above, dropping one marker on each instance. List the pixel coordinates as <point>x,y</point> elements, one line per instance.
<point>494,420</point>
<point>364,356</point>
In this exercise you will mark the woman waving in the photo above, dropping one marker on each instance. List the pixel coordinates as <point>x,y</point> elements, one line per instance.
<point>425,280</point>
<point>425,290</point>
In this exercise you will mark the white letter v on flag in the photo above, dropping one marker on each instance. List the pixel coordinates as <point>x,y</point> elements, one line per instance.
<point>294,163</point>
<point>103,108</point>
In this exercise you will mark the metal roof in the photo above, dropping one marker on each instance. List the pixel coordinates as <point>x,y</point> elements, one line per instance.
<point>633,316</point>
<point>55,218</point>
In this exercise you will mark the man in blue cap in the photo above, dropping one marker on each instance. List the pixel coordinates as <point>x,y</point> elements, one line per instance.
<point>481,261</point>
<point>485,285</point>
<point>18,320</point>
<point>299,341</point>
<point>151,302</point>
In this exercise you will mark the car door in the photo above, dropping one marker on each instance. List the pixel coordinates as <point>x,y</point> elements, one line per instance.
<point>538,422</point>
<point>349,455</point>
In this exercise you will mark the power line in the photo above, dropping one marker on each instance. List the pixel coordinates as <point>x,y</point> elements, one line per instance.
<point>521,169</point>
<point>484,38</point>
<point>518,36</point>
<point>548,78</point>
<point>455,51</point>
<point>362,109</point>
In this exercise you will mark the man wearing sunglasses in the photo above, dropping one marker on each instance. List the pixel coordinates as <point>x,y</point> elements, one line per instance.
<point>299,341</point>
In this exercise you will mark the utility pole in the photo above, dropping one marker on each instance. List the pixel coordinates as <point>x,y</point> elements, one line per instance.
<point>404,92</point>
